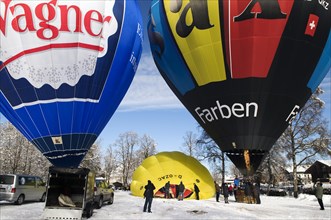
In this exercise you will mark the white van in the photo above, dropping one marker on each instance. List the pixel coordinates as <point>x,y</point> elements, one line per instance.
<point>19,188</point>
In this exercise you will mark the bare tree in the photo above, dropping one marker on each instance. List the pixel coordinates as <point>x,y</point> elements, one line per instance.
<point>234,170</point>
<point>307,136</point>
<point>92,159</point>
<point>110,162</point>
<point>147,147</point>
<point>13,144</point>
<point>190,143</point>
<point>126,153</point>
<point>272,168</point>
<point>18,155</point>
<point>210,151</point>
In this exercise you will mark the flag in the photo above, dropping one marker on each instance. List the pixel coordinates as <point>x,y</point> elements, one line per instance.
<point>312,25</point>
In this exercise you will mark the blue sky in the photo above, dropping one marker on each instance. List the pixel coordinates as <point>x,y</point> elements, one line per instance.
<point>151,108</point>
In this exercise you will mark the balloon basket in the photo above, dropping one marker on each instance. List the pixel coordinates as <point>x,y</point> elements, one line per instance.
<point>242,198</point>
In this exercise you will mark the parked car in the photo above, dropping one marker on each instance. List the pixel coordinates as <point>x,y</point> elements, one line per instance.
<point>19,188</point>
<point>273,191</point>
<point>70,193</point>
<point>118,186</point>
<point>103,192</point>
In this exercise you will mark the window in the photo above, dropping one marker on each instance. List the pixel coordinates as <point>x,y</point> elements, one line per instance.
<point>5,179</point>
<point>30,181</point>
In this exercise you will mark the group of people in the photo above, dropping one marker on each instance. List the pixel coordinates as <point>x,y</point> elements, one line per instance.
<point>252,192</point>
<point>225,189</point>
<point>180,191</point>
<point>149,193</point>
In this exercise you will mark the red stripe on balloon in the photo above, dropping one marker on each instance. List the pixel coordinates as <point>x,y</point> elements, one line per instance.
<point>48,47</point>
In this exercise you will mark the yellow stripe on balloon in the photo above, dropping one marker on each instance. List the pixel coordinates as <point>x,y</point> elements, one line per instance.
<point>202,48</point>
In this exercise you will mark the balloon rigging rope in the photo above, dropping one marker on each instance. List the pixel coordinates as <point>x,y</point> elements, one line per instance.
<point>40,105</point>
<point>88,110</point>
<point>93,125</point>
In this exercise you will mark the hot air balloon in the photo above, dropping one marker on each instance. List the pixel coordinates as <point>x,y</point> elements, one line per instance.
<point>64,68</point>
<point>242,68</point>
<point>174,167</point>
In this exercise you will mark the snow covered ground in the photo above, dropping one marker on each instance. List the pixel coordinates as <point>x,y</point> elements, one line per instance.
<point>129,207</point>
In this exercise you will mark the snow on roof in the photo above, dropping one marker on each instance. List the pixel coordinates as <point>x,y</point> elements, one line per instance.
<point>326,162</point>
<point>304,168</point>
<point>300,168</point>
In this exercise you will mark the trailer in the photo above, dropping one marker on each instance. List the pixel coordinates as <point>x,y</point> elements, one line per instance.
<point>69,193</point>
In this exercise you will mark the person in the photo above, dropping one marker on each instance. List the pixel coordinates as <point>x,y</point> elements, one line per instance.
<point>167,188</point>
<point>236,183</point>
<point>176,191</point>
<point>248,192</point>
<point>230,190</point>
<point>256,193</point>
<point>196,190</point>
<point>181,188</point>
<point>149,194</point>
<point>218,191</point>
<point>225,190</point>
<point>319,194</point>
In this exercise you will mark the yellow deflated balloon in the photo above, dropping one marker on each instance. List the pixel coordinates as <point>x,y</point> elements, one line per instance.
<point>173,167</point>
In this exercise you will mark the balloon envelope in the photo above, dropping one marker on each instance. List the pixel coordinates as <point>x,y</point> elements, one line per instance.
<point>174,167</point>
<point>64,68</point>
<point>242,68</point>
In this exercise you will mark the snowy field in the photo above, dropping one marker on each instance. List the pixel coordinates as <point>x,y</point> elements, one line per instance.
<point>129,207</point>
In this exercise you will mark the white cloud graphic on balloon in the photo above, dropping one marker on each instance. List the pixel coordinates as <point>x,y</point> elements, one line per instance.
<point>63,60</point>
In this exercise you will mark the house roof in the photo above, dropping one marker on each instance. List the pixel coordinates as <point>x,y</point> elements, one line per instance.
<point>300,168</point>
<point>304,168</point>
<point>326,162</point>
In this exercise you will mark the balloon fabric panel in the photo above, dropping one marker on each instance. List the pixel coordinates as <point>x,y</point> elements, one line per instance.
<point>172,60</point>
<point>252,64</point>
<point>196,49</point>
<point>62,101</point>
<point>173,167</point>
<point>323,67</point>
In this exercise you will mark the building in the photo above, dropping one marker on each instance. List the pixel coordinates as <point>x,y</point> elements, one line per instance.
<point>302,175</point>
<point>321,169</point>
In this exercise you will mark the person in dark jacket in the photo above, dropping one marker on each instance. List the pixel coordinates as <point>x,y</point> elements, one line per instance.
<point>196,190</point>
<point>319,194</point>
<point>167,190</point>
<point>149,194</point>
<point>256,193</point>
<point>218,191</point>
<point>181,188</point>
<point>248,192</point>
<point>225,190</point>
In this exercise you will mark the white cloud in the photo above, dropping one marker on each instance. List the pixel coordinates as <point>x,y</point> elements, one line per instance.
<point>149,90</point>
